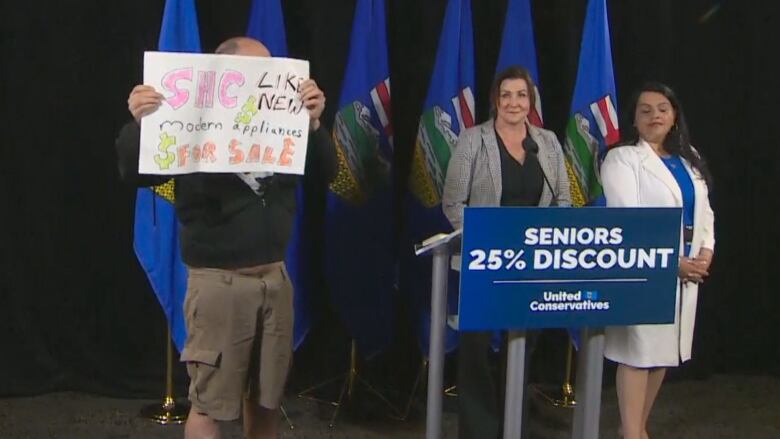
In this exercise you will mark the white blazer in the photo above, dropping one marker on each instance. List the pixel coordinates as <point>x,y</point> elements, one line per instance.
<point>634,176</point>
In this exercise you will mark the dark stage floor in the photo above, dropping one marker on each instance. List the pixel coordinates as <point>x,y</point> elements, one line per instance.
<point>719,407</point>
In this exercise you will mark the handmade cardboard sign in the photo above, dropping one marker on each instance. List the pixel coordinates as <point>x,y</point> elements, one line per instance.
<point>224,113</point>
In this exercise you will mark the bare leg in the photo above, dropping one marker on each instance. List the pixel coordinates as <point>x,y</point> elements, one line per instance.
<point>200,426</point>
<point>631,384</point>
<point>260,422</point>
<point>654,380</point>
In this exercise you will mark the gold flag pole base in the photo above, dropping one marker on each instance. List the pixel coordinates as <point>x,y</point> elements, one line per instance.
<point>420,382</point>
<point>286,418</point>
<point>567,390</point>
<point>451,391</point>
<point>350,379</point>
<point>566,401</point>
<point>167,413</point>
<point>416,386</point>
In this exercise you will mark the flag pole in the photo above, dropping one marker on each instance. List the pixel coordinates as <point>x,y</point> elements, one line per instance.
<point>351,379</point>
<point>169,412</point>
<point>422,374</point>
<point>567,399</point>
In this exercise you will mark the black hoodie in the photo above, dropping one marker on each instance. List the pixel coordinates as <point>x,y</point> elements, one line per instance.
<point>224,223</point>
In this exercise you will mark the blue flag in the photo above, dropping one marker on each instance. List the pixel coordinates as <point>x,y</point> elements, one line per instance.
<point>359,242</point>
<point>448,111</point>
<point>518,47</point>
<point>593,122</point>
<point>266,24</point>
<point>156,237</point>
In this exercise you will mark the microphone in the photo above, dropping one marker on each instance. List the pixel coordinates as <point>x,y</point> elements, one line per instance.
<point>534,149</point>
<point>554,201</point>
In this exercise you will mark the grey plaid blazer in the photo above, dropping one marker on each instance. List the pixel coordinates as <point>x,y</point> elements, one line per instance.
<point>474,172</point>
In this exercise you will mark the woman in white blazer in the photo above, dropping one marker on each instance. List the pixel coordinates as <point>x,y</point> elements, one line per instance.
<point>658,168</point>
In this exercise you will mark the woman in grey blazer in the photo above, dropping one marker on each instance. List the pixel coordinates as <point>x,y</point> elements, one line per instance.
<point>505,161</point>
<point>474,174</point>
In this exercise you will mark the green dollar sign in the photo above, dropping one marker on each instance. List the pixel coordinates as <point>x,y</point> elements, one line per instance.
<point>248,110</point>
<point>166,141</point>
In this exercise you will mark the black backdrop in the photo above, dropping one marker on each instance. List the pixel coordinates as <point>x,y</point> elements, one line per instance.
<point>75,309</point>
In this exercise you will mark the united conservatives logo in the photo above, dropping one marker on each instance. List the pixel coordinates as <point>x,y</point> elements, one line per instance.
<point>565,301</point>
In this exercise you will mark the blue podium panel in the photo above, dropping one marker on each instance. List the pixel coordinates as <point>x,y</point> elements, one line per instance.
<point>568,267</point>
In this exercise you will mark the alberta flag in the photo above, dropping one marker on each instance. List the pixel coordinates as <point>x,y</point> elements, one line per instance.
<point>593,124</point>
<point>360,227</point>
<point>266,24</point>
<point>518,47</point>
<point>156,237</point>
<point>448,110</point>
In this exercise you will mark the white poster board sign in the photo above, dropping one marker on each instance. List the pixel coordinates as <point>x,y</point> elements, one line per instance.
<point>224,113</point>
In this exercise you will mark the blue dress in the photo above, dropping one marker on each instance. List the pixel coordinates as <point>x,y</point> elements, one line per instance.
<point>676,167</point>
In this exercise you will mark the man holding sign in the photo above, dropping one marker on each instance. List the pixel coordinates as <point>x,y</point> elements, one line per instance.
<point>235,200</point>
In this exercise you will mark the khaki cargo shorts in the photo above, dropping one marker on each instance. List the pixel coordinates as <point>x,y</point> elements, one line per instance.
<point>239,339</point>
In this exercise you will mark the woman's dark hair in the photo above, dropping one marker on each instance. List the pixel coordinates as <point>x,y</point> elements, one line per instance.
<point>511,72</point>
<point>677,141</point>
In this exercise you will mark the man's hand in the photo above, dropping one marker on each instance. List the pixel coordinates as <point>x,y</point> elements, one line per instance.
<point>314,100</point>
<point>143,100</point>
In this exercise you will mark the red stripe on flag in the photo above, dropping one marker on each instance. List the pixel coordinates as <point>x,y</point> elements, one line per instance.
<point>465,111</point>
<point>613,135</point>
<point>384,97</point>
<point>534,118</point>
